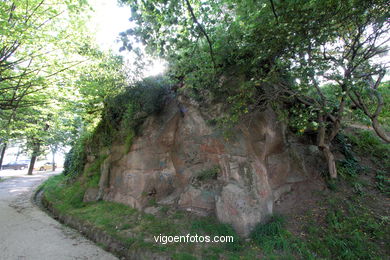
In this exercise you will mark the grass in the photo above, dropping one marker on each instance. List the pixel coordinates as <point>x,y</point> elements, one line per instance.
<point>208,226</point>
<point>208,174</point>
<point>367,145</point>
<point>349,223</point>
<point>92,174</point>
<point>350,229</point>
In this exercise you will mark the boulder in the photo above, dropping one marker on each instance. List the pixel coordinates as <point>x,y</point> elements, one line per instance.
<point>256,165</point>
<point>91,194</point>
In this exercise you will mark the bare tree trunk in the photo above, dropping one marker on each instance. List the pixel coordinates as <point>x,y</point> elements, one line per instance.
<point>32,163</point>
<point>331,161</point>
<point>17,154</point>
<point>53,152</point>
<point>33,158</point>
<point>379,131</point>
<point>324,147</point>
<point>3,148</point>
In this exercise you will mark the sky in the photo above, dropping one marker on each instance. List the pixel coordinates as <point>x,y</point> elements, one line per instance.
<point>108,20</point>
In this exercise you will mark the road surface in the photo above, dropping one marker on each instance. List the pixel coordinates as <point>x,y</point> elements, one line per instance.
<point>27,233</point>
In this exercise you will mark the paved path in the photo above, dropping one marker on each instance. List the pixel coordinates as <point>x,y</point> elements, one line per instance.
<point>27,233</point>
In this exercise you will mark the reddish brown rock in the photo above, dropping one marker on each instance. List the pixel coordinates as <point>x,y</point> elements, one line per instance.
<point>174,149</point>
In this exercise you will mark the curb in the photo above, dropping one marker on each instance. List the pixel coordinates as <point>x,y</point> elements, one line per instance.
<point>93,233</point>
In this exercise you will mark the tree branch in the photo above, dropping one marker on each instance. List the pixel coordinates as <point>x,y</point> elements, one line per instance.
<point>203,31</point>
<point>274,11</point>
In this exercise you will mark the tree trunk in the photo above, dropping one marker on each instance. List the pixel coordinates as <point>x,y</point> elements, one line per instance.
<point>17,154</point>
<point>32,163</point>
<point>330,160</point>
<point>33,158</point>
<point>324,147</point>
<point>2,154</point>
<point>53,151</point>
<point>379,131</point>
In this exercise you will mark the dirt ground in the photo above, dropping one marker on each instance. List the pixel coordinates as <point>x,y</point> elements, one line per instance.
<point>27,233</point>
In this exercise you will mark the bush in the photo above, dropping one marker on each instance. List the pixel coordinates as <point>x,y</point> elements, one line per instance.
<point>136,102</point>
<point>125,112</point>
<point>366,142</point>
<point>75,159</point>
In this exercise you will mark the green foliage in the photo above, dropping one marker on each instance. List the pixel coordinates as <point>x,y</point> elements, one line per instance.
<point>348,168</point>
<point>183,256</point>
<point>248,54</point>
<point>301,118</point>
<point>36,39</point>
<point>64,195</point>
<point>135,103</point>
<point>276,241</point>
<point>76,158</point>
<point>272,235</point>
<point>152,202</point>
<point>209,174</point>
<point>92,173</point>
<point>350,233</point>
<point>383,181</point>
<point>348,230</point>
<point>124,112</point>
<point>367,143</point>
<point>384,117</point>
<point>129,140</point>
<point>122,115</point>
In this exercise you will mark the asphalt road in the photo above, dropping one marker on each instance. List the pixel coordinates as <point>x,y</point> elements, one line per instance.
<point>27,233</point>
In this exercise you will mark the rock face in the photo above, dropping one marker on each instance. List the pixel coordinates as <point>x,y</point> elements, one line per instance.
<point>178,159</point>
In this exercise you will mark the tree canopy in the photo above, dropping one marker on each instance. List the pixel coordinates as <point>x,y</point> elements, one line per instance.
<point>283,52</point>
<point>53,77</point>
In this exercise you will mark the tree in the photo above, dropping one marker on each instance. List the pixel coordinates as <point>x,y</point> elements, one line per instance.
<point>49,65</point>
<point>342,53</point>
<point>33,35</point>
<point>282,50</point>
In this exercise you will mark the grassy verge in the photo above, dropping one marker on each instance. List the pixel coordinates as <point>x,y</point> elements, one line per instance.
<point>349,229</point>
<point>351,222</point>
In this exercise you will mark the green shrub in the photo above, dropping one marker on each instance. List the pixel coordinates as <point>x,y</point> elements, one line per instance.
<point>348,168</point>
<point>75,159</point>
<point>129,108</point>
<point>366,142</point>
<point>123,113</point>
<point>383,181</point>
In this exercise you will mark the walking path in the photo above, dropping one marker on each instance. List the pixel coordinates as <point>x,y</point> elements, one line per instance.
<point>27,233</point>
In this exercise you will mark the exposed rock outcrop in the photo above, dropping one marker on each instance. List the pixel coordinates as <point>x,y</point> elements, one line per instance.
<point>178,159</point>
